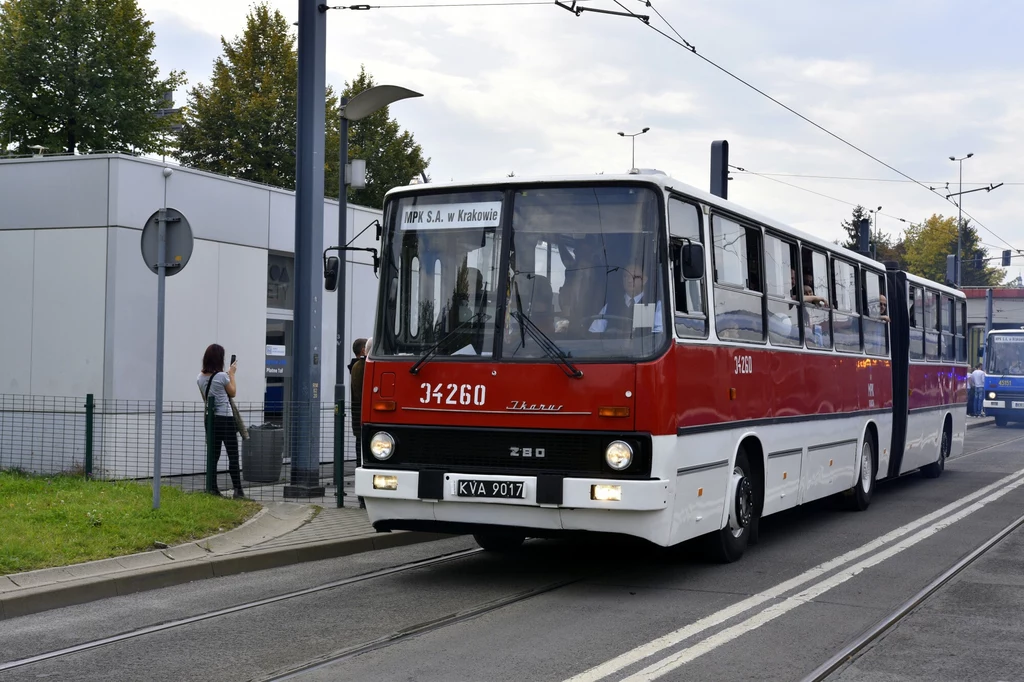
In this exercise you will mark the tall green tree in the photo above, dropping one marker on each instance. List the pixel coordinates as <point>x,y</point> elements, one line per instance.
<point>928,244</point>
<point>852,227</point>
<point>243,122</point>
<point>78,75</point>
<point>393,157</point>
<point>887,247</point>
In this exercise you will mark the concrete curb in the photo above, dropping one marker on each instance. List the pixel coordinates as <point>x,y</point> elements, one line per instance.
<point>984,422</point>
<point>31,600</point>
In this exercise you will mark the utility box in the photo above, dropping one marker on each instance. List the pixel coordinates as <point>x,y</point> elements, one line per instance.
<point>263,453</point>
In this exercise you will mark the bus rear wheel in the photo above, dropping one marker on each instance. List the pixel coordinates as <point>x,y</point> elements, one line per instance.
<point>497,541</point>
<point>935,469</point>
<point>859,497</point>
<point>728,544</point>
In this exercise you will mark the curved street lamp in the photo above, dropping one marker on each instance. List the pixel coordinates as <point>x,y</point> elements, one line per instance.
<point>363,104</point>
<point>632,136</point>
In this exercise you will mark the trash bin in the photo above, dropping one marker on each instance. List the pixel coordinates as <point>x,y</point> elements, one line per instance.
<point>262,453</point>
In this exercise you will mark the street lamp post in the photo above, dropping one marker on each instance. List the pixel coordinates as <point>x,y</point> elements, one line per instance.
<point>360,106</point>
<point>960,215</point>
<point>874,231</point>
<point>633,136</point>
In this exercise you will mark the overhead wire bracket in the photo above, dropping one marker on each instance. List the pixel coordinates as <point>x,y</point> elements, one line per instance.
<point>578,10</point>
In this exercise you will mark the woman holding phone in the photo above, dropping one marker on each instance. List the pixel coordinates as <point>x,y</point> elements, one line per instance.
<point>214,381</point>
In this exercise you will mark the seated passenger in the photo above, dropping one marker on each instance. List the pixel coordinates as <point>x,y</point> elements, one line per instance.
<point>619,308</point>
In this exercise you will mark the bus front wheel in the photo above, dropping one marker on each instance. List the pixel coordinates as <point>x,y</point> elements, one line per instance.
<point>1000,421</point>
<point>728,544</point>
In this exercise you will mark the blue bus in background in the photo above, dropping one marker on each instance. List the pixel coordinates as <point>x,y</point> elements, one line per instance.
<point>1004,375</point>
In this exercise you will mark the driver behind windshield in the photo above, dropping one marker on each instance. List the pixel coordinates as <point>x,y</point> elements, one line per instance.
<point>619,307</point>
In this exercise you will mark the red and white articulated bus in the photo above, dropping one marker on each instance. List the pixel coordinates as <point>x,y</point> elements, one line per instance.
<point>628,354</point>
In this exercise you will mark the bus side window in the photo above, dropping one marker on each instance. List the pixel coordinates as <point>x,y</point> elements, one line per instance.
<point>961,330</point>
<point>846,320</point>
<point>876,314</point>
<point>916,297</point>
<point>817,311</point>
<point>739,308</point>
<point>691,315</point>
<point>931,325</point>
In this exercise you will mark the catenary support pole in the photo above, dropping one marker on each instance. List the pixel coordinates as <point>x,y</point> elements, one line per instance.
<point>304,431</point>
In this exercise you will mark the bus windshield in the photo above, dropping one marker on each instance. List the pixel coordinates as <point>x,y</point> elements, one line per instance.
<point>1005,354</point>
<point>582,270</point>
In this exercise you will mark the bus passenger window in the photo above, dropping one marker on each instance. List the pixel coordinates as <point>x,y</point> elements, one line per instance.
<point>947,344</point>
<point>931,325</point>
<point>817,312</point>
<point>916,297</point>
<point>845,320</point>
<point>691,315</point>
<point>876,314</point>
<point>738,308</point>
<point>783,295</point>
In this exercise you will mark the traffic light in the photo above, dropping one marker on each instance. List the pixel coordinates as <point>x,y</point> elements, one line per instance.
<point>1006,258</point>
<point>979,262</point>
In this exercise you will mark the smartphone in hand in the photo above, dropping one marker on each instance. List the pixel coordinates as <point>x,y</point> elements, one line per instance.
<point>233,358</point>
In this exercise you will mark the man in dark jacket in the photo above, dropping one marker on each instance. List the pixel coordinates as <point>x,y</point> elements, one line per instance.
<point>356,368</point>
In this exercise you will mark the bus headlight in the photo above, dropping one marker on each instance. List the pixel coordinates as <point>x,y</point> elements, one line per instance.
<point>618,454</point>
<point>991,395</point>
<point>382,445</point>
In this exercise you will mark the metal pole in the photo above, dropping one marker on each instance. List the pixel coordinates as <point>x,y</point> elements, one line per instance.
<point>304,440</point>
<point>632,161</point>
<point>988,313</point>
<point>959,221</point>
<point>158,429</point>
<point>339,355</point>
<point>90,410</point>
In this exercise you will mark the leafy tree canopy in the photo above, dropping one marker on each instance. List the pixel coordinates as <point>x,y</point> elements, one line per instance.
<point>928,244</point>
<point>243,123</point>
<point>78,76</point>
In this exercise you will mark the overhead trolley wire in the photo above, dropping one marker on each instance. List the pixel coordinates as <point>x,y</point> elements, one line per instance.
<point>688,46</point>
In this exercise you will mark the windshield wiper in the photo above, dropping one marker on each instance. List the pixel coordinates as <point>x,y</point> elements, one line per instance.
<point>547,345</point>
<point>430,352</point>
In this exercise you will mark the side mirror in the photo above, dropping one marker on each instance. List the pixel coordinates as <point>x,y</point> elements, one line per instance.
<point>691,260</point>
<point>331,267</point>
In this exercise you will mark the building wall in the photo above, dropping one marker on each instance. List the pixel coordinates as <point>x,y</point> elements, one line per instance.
<point>53,310</point>
<point>79,306</point>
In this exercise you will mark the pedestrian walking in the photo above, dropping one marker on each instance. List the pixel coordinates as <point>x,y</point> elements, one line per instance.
<point>978,382</point>
<point>356,368</point>
<point>214,381</point>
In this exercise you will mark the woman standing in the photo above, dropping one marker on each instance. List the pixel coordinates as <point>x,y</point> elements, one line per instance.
<point>214,381</point>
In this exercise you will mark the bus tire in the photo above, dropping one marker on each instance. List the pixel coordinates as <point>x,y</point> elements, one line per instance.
<point>728,544</point>
<point>859,497</point>
<point>935,469</point>
<point>1000,421</point>
<point>497,541</point>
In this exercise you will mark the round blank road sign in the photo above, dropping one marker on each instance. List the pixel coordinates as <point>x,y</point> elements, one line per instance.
<point>179,242</point>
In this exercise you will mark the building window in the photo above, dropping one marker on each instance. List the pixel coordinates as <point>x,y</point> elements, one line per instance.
<point>281,282</point>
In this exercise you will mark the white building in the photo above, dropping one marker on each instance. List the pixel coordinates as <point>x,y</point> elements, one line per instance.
<point>79,305</point>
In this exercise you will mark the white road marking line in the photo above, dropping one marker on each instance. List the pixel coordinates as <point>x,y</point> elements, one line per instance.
<point>670,663</point>
<point>655,646</point>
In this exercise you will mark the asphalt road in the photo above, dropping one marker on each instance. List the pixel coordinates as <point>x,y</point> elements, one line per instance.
<point>614,610</point>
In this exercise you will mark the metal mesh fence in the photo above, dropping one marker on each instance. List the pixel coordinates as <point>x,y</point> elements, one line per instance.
<point>289,453</point>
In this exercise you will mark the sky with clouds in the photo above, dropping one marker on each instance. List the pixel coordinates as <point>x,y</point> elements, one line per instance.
<point>536,90</point>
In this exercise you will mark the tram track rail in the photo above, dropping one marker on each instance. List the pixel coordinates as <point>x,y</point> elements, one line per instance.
<point>217,613</point>
<point>413,631</point>
<point>851,651</point>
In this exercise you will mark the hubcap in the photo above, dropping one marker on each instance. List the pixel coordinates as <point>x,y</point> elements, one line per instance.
<point>743,503</point>
<point>866,466</point>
